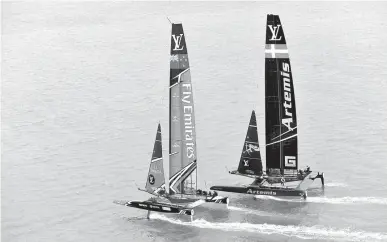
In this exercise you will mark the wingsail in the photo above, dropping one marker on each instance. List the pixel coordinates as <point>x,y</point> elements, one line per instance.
<point>182,142</point>
<point>156,170</point>
<point>250,162</point>
<point>281,118</point>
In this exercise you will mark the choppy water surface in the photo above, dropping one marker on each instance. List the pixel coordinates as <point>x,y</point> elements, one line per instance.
<point>85,84</point>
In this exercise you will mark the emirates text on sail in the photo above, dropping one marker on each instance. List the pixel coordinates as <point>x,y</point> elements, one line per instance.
<point>188,128</point>
<point>287,96</point>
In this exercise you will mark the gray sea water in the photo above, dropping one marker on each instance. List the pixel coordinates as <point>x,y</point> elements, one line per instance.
<point>84,85</point>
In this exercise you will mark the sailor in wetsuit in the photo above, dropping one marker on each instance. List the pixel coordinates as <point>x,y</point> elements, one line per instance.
<point>307,169</point>
<point>215,194</point>
<point>257,181</point>
<point>300,174</point>
<point>282,181</point>
<point>162,192</point>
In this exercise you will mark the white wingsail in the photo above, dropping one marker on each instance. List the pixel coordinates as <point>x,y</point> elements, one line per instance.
<point>182,144</point>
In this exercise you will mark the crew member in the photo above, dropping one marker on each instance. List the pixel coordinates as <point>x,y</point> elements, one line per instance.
<point>307,169</point>
<point>282,181</point>
<point>301,172</point>
<point>162,191</point>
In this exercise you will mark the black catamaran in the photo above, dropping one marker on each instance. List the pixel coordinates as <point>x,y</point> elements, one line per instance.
<point>182,194</point>
<point>281,128</point>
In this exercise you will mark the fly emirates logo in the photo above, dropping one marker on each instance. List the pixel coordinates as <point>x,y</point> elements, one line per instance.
<point>188,126</point>
<point>285,73</point>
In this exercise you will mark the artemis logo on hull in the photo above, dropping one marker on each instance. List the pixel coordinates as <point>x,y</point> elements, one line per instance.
<point>287,96</point>
<point>177,40</point>
<point>274,32</point>
<point>188,125</point>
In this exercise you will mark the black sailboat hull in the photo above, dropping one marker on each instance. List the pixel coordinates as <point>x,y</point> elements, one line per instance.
<point>157,207</point>
<point>186,198</point>
<point>256,190</point>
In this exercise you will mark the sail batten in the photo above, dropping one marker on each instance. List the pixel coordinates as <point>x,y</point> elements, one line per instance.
<point>182,119</point>
<point>280,106</point>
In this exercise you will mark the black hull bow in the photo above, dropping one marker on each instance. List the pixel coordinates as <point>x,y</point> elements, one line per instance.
<point>157,207</point>
<point>255,190</point>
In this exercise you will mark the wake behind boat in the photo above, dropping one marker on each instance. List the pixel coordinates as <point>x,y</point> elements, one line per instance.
<point>182,194</point>
<point>281,129</point>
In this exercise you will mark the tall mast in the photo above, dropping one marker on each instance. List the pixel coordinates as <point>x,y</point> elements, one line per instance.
<point>182,143</point>
<point>280,105</point>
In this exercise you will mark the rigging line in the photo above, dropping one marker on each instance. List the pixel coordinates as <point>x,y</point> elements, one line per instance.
<point>157,159</point>
<point>169,20</point>
<point>284,133</point>
<point>282,140</point>
<point>279,109</point>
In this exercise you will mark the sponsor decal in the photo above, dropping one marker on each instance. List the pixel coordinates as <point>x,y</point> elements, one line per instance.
<point>177,40</point>
<point>156,167</point>
<point>251,148</point>
<point>174,58</point>
<point>186,212</point>
<point>188,125</point>
<point>257,192</point>
<point>249,172</point>
<point>274,32</point>
<point>290,161</point>
<point>166,208</point>
<point>287,96</point>
<point>142,205</point>
<point>151,179</point>
<point>246,162</point>
<point>155,207</point>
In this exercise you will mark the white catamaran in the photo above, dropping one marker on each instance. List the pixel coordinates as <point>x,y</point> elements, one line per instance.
<point>281,129</point>
<point>182,194</point>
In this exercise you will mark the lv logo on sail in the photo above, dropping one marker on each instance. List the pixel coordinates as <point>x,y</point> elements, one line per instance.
<point>177,40</point>
<point>274,32</point>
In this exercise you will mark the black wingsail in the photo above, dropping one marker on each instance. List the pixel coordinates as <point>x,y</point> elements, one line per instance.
<point>281,119</point>
<point>250,162</point>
